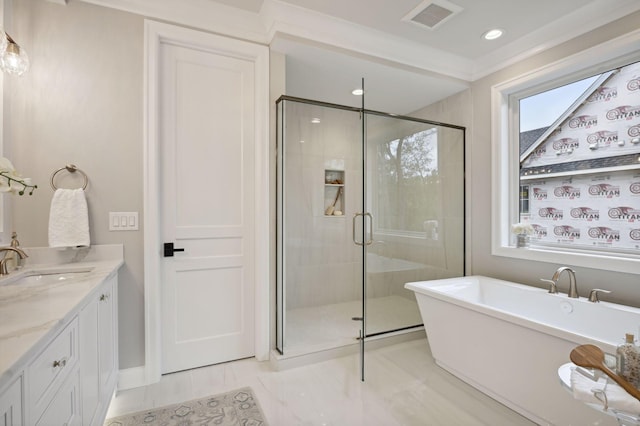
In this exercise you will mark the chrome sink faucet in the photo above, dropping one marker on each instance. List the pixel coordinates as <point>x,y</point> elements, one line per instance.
<point>3,262</point>
<point>573,286</point>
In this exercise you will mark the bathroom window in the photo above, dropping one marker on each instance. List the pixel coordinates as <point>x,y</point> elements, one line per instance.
<point>566,143</point>
<point>579,152</point>
<point>408,171</point>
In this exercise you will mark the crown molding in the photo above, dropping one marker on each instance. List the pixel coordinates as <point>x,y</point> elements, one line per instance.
<point>206,15</point>
<point>570,26</point>
<point>284,18</point>
<point>280,18</point>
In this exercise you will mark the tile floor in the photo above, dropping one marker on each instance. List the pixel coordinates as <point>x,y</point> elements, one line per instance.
<point>403,387</point>
<point>323,327</point>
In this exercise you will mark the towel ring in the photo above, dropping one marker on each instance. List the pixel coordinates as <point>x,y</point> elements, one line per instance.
<point>71,168</point>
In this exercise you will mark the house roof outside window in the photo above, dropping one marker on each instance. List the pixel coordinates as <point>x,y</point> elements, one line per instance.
<point>600,130</point>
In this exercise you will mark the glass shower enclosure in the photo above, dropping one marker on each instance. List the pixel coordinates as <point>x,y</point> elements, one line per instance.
<point>366,202</point>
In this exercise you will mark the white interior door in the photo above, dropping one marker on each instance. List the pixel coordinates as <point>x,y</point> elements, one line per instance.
<point>207,119</point>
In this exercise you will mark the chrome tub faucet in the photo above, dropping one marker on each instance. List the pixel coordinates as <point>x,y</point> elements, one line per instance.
<point>573,286</point>
<point>593,294</point>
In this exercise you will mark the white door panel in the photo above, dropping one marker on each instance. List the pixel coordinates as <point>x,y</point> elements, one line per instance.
<point>207,207</point>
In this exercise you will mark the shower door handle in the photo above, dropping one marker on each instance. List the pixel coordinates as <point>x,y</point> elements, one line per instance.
<point>369,241</point>
<point>354,229</point>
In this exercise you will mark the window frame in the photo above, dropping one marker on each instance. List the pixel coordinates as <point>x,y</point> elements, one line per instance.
<point>505,183</point>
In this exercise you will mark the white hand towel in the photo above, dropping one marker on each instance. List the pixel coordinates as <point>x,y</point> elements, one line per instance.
<point>617,397</point>
<point>69,219</point>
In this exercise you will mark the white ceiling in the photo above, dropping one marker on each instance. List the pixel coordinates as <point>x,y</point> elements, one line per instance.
<point>461,35</point>
<point>328,73</point>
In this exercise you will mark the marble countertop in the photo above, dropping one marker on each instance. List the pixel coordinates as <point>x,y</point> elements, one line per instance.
<point>32,312</point>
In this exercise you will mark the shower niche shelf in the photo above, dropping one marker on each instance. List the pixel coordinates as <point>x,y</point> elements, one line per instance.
<point>334,193</point>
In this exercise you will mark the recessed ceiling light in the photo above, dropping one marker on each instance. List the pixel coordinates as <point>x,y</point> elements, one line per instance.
<point>493,34</point>
<point>315,120</point>
<point>357,92</point>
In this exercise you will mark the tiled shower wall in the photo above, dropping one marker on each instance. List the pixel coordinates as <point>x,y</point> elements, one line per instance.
<point>322,263</point>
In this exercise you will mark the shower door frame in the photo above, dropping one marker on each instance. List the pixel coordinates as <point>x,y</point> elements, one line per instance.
<point>280,259</point>
<point>280,201</point>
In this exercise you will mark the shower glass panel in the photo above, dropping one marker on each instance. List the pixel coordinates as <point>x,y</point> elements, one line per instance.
<point>366,202</point>
<point>415,194</point>
<point>320,269</point>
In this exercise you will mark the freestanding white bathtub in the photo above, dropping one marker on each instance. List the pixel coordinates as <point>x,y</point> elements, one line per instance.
<point>509,339</point>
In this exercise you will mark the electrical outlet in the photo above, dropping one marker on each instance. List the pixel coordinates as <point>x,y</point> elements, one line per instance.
<point>123,221</point>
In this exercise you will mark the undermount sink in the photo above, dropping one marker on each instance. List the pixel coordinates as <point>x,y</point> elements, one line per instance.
<point>52,275</point>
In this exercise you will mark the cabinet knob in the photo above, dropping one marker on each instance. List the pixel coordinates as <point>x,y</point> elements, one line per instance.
<point>60,363</point>
<point>104,297</point>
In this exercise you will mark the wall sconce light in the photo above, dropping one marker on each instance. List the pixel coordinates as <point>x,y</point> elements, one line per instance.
<point>13,58</point>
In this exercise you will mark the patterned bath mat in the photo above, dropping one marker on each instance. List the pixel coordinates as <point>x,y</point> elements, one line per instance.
<point>236,408</point>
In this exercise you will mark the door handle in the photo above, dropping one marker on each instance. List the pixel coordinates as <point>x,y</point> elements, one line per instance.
<point>353,224</point>
<point>169,249</point>
<point>369,240</point>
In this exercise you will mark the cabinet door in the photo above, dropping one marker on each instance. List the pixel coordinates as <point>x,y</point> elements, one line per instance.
<point>65,406</point>
<point>50,368</point>
<point>107,344</point>
<point>89,336</point>
<point>11,405</point>
<point>98,346</point>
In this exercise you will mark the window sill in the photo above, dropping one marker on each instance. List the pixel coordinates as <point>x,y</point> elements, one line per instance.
<point>582,258</point>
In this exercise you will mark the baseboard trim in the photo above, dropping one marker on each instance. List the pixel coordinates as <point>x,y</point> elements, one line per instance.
<point>130,378</point>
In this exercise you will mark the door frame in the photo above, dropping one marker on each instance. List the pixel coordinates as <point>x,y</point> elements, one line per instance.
<point>156,34</point>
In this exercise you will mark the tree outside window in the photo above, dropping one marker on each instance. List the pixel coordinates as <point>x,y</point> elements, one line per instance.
<point>408,171</point>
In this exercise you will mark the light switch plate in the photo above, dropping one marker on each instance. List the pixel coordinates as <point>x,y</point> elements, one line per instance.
<point>123,221</point>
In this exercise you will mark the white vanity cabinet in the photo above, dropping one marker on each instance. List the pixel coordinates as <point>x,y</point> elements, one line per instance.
<point>68,375</point>
<point>11,404</point>
<point>98,349</point>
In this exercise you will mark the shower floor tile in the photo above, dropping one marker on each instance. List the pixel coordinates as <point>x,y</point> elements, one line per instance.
<point>329,326</point>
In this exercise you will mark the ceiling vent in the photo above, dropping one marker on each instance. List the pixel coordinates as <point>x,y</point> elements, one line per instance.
<point>432,13</point>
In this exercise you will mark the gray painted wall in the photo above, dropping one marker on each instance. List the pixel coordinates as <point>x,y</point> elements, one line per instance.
<point>82,102</point>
